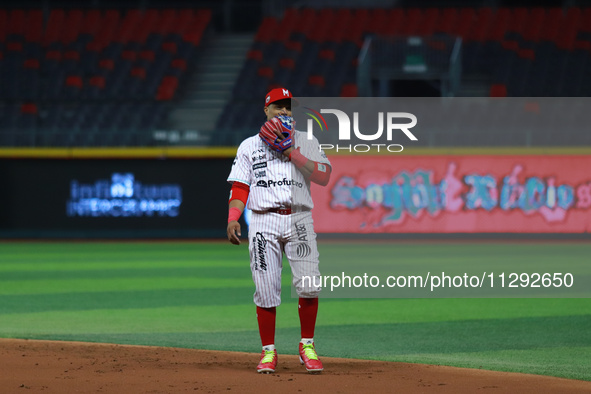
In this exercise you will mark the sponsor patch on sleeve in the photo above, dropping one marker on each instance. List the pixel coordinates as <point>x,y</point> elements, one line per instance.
<point>259,165</point>
<point>321,167</point>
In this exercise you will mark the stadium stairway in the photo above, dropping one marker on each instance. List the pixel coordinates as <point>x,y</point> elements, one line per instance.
<point>210,87</point>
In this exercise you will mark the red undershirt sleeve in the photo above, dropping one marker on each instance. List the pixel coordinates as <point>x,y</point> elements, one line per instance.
<point>239,191</point>
<point>321,173</point>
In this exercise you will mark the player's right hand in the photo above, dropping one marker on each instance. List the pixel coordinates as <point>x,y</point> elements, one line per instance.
<point>233,232</point>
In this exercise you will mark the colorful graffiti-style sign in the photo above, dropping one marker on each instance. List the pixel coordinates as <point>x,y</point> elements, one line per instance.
<point>415,193</point>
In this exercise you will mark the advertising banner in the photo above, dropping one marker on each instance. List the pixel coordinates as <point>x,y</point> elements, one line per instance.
<point>113,197</point>
<point>455,194</point>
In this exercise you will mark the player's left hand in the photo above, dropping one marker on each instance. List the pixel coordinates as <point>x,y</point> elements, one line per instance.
<point>277,133</point>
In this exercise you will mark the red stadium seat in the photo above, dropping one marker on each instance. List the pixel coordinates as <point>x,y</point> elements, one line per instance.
<point>326,54</point>
<point>429,23</point>
<point>465,22</point>
<point>184,19</point>
<point>55,23</point>
<point>107,28</point>
<point>53,55</point>
<point>138,72</point>
<point>181,64</point>
<point>552,24</point>
<point>498,90</point>
<point>356,25</point>
<point>309,18</point>
<point>72,55</point>
<point>29,108</point>
<point>97,81</point>
<point>519,19</point>
<point>127,26</point>
<point>526,54</point>
<point>287,63</point>
<point>294,46</point>
<point>167,21</point>
<point>412,22</point>
<point>3,24</point>
<point>567,34</point>
<point>72,26</point>
<point>91,22</point>
<point>74,80</point>
<point>448,20</point>
<point>316,80</point>
<point>535,24</point>
<point>320,32</point>
<point>482,25</point>
<point>510,45</point>
<point>194,35</point>
<point>500,24</point>
<point>379,21</point>
<point>128,55</point>
<point>34,30</point>
<point>586,45</point>
<point>255,54</point>
<point>265,72</point>
<point>147,55</point>
<point>15,46</point>
<point>107,64</point>
<point>16,22</point>
<point>349,90</point>
<point>266,29</point>
<point>394,23</point>
<point>289,21</point>
<point>169,47</point>
<point>585,23</point>
<point>31,63</point>
<point>167,88</point>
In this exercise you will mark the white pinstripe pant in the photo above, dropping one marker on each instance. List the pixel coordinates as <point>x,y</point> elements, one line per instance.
<point>270,235</point>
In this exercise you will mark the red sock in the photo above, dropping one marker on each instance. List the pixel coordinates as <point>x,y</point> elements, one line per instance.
<point>308,309</point>
<point>266,319</point>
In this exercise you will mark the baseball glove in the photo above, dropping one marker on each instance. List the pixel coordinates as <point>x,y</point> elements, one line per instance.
<point>277,133</point>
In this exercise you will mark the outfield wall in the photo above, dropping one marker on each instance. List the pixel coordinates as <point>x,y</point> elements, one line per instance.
<point>456,194</point>
<point>182,193</point>
<point>113,197</point>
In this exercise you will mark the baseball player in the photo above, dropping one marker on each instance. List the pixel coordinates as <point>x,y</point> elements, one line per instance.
<point>273,171</point>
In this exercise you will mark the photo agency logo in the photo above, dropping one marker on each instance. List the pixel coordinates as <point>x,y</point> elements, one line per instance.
<point>353,138</point>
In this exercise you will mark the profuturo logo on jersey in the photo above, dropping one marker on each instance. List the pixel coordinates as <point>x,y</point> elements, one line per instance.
<point>285,182</point>
<point>345,126</point>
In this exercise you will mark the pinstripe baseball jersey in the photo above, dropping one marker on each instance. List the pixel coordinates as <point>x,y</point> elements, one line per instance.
<point>274,181</point>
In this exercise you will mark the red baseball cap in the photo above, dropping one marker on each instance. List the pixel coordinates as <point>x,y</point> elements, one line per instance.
<point>279,94</point>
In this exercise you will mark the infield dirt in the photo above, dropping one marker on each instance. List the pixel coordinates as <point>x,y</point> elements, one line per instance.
<point>31,366</point>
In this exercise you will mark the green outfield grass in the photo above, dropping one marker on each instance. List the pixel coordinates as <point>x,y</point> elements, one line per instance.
<point>199,295</point>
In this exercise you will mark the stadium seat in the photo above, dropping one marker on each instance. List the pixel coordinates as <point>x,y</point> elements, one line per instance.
<point>89,55</point>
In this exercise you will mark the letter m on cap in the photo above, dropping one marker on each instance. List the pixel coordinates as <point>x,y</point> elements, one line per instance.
<point>285,92</point>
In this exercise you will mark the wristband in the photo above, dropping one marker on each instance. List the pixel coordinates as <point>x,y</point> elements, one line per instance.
<point>297,158</point>
<point>234,214</point>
